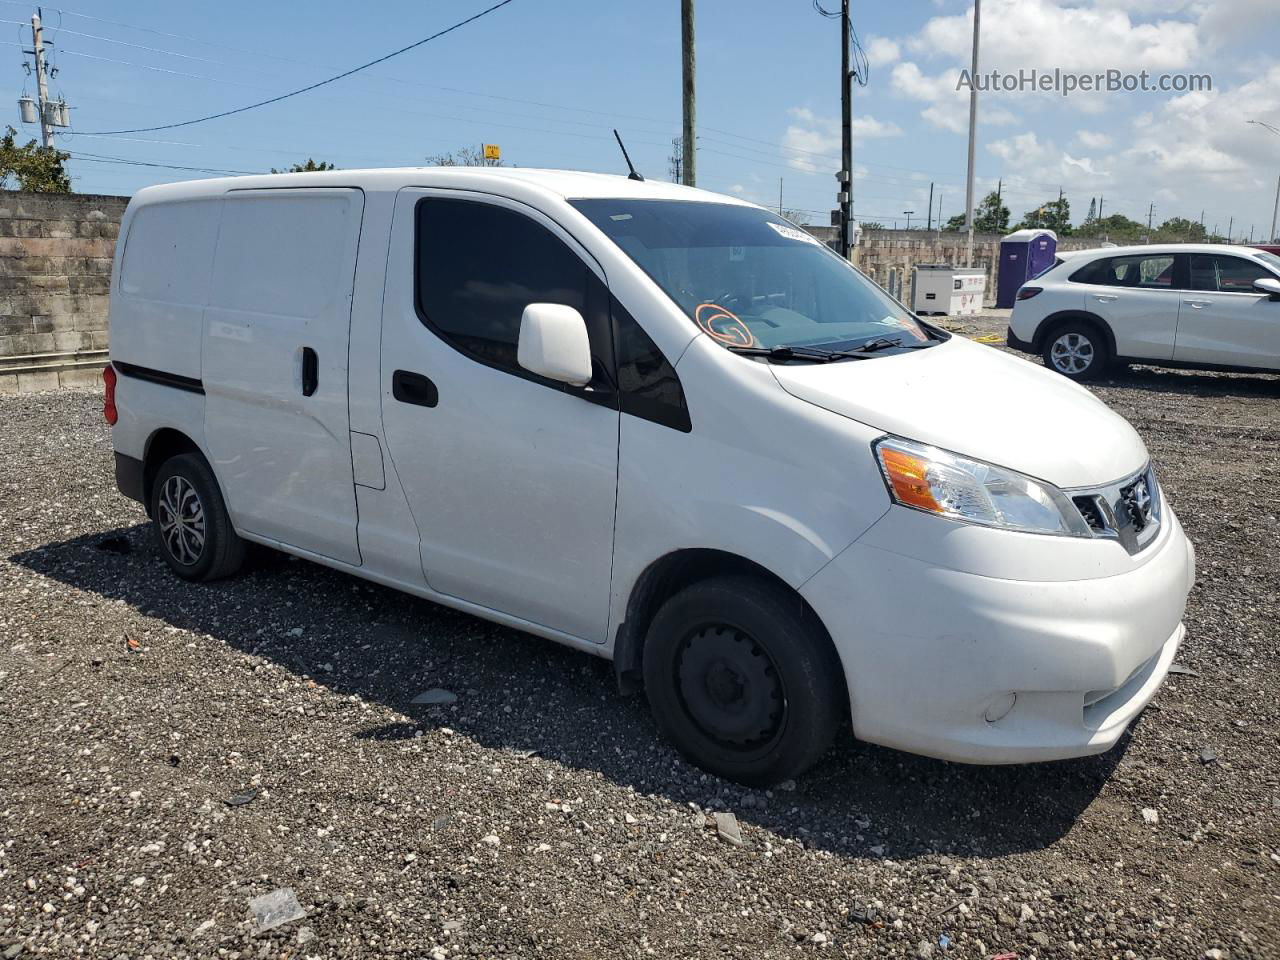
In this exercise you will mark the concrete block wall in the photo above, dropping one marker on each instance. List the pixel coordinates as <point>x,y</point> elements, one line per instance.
<point>55,273</point>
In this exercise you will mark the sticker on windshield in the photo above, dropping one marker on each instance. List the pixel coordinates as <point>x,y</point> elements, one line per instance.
<point>723,325</point>
<point>792,233</point>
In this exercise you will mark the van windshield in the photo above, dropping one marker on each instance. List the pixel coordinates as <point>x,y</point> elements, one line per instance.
<point>751,280</point>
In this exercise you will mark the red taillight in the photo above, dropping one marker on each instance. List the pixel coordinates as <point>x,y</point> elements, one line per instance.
<point>1026,293</point>
<point>109,395</point>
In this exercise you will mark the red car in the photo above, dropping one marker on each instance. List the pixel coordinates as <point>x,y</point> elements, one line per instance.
<point>1269,247</point>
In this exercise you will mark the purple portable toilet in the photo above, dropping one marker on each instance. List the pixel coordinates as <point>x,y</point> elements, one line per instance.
<point>1024,254</point>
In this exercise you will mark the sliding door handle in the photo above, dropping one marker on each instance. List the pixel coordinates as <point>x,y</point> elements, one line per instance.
<point>310,371</point>
<point>414,388</point>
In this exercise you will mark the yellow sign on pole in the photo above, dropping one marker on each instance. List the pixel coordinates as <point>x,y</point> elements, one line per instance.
<point>492,151</point>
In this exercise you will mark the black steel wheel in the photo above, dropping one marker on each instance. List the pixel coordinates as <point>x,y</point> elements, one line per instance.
<point>742,678</point>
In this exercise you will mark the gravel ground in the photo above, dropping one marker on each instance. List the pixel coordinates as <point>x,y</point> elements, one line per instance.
<point>540,814</point>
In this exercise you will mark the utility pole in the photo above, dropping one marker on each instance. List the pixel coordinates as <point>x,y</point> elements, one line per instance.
<point>1231,223</point>
<point>779,196</point>
<point>689,163</point>
<point>1150,213</point>
<point>42,82</point>
<point>908,213</point>
<point>1275,237</point>
<point>973,130</point>
<point>929,221</point>
<point>846,136</point>
<point>939,211</point>
<point>1275,209</point>
<point>1101,198</point>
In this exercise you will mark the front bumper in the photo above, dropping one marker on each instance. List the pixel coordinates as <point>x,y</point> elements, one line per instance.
<point>981,669</point>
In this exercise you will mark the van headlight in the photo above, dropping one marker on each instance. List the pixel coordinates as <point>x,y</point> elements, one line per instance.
<point>936,481</point>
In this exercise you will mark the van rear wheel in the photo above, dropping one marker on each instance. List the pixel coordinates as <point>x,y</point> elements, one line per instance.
<point>743,680</point>
<point>192,527</point>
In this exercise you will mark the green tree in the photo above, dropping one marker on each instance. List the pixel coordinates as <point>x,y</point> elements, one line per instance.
<point>309,167</point>
<point>1180,230</point>
<point>1052,215</point>
<point>34,168</point>
<point>991,216</point>
<point>1116,227</point>
<point>463,157</point>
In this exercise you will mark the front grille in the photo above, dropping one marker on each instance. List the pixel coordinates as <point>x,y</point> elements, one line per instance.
<point>1091,510</point>
<point>1128,511</point>
<point>1137,500</point>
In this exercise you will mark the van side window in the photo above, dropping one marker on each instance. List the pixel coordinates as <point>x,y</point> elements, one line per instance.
<point>478,267</point>
<point>647,382</point>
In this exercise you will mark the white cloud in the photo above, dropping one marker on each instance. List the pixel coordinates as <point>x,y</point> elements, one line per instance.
<point>949,109</point>
<point>1050,33</point>
<point>910,81</point>
<point>882,51</point>
<point>1092,139</point>
<point>1182,151</point>
<point>1225,20</point>
<point>813,142</point>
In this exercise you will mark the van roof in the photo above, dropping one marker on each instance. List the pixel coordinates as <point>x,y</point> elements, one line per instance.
<point>567,184</point>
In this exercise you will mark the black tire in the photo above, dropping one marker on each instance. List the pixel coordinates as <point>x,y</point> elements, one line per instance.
<point>744,681</point>
<point>187,482</point>
<point>1076,349</point>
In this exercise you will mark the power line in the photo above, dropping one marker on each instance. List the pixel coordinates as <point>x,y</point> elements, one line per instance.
<point>136,46</point>
<point>99,158</point>
<point>147,66</point>
<point>321,83</point>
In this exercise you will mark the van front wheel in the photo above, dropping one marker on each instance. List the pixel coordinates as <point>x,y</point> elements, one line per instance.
<point>743,680</point>
<point>190,520</point>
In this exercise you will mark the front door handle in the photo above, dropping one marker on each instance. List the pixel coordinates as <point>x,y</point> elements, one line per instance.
<point>310,371</point>
<point>1105,297</point>
<point>1197,303</point>
<point>414,388</point>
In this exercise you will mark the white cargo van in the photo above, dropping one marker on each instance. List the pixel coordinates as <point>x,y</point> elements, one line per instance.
<point>657,424</point>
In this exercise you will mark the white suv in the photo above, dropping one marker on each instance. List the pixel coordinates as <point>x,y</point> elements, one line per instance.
<point>1186,305</point>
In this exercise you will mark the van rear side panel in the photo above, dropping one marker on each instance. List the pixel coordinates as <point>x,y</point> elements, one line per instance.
<point>274,365</point>
<point>163,285</point>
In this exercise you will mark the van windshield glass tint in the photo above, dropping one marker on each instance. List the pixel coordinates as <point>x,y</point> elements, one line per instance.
<point>750,279</point>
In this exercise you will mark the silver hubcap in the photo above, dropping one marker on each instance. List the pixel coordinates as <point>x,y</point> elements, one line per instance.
<point>1072,353</point>
<point>181,517</point>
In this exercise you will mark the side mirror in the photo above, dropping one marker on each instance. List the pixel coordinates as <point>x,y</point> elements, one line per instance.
<point>554,343</point>
<point>1268,286</point>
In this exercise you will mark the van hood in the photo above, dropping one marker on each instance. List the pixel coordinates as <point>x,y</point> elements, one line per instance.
<point>978,402</point>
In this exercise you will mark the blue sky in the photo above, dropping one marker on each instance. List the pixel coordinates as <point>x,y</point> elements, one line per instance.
<point>548,79</point>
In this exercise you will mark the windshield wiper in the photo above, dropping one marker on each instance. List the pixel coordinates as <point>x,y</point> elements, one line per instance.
<point>885,343</point>
<point>795,353</point>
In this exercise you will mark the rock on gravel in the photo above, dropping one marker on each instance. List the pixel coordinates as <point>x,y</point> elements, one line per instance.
<point>297,681</point>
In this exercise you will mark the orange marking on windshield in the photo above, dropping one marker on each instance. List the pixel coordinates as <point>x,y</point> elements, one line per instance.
<point>736,335</point>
